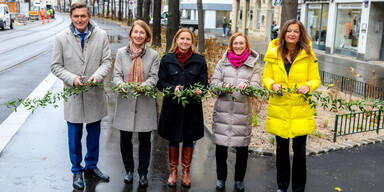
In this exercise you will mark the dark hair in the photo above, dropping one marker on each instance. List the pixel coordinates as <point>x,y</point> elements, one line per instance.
<point>303,42</point>
<point>146,28</point>
<point>79,5</point>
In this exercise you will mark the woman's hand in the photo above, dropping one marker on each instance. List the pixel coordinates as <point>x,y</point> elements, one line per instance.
<point>226,85</point>
<point>303,89</point>
<point>242,85</point>
<point>198,91</point>
<point>178,88</point>
<point>122,88</point>
<point>276,87</point>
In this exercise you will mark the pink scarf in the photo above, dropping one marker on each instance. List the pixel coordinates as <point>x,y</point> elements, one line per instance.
<point>237,60</point>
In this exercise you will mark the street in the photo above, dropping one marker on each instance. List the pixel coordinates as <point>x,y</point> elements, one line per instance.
<point>37,159</point>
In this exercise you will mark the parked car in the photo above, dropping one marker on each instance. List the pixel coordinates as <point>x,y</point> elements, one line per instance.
<point>5,17</point>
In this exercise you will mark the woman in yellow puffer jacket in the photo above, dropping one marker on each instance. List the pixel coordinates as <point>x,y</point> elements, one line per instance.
<point>291,63</point>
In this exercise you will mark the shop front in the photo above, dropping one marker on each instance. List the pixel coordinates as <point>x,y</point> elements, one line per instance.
<point>348,22</point>
<point>317,21</point>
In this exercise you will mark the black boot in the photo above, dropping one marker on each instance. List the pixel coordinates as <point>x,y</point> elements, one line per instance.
<point>128,178</point>
<point>220,185</point>
<point>239,186</point>
<point>78,182</point>
<point>143,182</point>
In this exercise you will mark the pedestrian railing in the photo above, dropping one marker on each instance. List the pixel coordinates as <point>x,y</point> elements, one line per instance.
<point>348,85</point>
<point>347,124</point>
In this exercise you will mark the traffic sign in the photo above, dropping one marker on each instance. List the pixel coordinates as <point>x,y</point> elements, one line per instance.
<point>277,3</point>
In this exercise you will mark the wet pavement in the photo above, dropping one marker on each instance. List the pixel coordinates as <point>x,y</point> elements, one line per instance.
<point>37,160</point>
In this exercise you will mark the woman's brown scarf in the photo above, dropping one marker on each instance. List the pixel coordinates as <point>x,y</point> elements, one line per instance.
<point>136,73</point>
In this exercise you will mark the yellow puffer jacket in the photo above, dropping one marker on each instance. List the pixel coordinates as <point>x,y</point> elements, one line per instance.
<point>289,115</point>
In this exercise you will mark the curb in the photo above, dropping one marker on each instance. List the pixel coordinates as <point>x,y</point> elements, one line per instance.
<point>12,124</point>
<point>258,151</point>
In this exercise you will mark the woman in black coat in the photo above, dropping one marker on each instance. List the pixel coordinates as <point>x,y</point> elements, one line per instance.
<point>181,68</point>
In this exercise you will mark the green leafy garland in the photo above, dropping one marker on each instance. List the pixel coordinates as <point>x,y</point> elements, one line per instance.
<point>134,90</point>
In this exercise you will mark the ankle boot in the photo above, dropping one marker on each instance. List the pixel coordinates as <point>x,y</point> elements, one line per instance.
<point>186,163</point>
<point>173,154</point>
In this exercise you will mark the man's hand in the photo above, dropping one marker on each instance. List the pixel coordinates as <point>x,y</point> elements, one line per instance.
<point>77,81</point>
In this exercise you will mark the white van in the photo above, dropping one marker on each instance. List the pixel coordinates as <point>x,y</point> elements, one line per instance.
<point>5,17</point>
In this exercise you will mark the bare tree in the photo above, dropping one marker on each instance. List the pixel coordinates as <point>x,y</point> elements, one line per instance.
<point>288,11</point>
<point>139,14</point>
<point>108,1</point>
<point>156,30</point>
<point>147,7</point>
<point>201,25</point>
<point>120,14</point>
<point>173,21</point>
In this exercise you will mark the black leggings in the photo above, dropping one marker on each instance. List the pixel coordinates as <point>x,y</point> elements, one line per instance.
<point>299,167</point>
<point>221,162</point>
<point>144,151</point>
<point>176,144</point>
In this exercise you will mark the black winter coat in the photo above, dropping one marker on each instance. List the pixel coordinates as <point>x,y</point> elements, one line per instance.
<point>178,123</point>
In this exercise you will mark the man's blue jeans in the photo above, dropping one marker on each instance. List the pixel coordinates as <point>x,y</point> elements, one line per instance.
<point>75,133</point>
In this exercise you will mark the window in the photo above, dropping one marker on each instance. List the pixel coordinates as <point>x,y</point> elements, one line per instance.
<point>317,18</point>
<point>347,28</point>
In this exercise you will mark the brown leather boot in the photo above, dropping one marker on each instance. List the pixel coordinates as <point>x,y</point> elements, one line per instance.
<point>186,163</point>
<point>173,154</point>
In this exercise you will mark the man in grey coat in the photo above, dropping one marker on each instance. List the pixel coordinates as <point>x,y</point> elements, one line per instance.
<point>81,55</point>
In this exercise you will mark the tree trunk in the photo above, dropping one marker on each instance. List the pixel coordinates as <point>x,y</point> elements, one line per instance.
<point>108,1</point>
<point>201,26</point>
<point>93,7</point>
<point>126,9</point>
<point>156,30</point>
<point>120,9</point>
<point>147,7</point>
<point>173,21</point>
<point>139,14</point>
<point>129,17</point>
<point>288,11</point>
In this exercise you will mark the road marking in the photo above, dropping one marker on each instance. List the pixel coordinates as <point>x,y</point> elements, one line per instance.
<point>12,124</point>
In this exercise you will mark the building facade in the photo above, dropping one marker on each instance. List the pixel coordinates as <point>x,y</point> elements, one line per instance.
<point>214,12</point>
<point>347,27</point>
<point>255,17</point>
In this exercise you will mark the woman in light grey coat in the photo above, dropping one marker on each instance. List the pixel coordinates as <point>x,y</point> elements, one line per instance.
<point>136,63</point>
<point>232,118</point>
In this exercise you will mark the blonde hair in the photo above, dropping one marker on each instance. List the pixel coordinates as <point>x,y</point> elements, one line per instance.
<point>174,44</point>
<point>233,37</point>
<point>144,25</point>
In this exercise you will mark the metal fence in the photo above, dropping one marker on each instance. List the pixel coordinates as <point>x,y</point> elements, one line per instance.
<point>347,124</point>
<point>348,85</point>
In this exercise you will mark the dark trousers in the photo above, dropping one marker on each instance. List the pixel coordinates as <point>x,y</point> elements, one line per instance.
<point>299,167</point>
<point>240,166</point>
<point>144,151</point>
<point>75,133</point>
